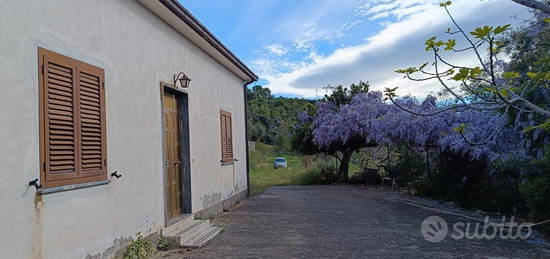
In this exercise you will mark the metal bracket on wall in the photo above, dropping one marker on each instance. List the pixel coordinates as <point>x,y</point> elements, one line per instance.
<point>35,184</point>
<point>116,174</point>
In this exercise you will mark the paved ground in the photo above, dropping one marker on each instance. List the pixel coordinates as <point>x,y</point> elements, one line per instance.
<point>345,222</point>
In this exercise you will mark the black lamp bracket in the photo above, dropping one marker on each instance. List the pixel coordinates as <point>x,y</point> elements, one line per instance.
<point>116,174</point>
<point>35,184</point>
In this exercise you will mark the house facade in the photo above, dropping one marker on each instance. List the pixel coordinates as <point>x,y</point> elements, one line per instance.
<point>102,134</point>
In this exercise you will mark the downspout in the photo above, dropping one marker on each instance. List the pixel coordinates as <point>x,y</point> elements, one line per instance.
<point>246,134</point>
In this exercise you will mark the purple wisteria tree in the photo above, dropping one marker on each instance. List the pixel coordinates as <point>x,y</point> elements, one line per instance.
<point>382,123</point>
<point>368,121</point>
<point>315,133</point>
<point>535,4</point>
<point>337,130</point>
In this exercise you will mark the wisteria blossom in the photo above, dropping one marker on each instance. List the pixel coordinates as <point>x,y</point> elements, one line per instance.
<point>371,120</point>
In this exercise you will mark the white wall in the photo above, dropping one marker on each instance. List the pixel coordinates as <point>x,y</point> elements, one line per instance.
<point>137,51</point>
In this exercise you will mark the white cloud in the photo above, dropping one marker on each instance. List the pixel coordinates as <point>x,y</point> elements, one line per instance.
<point>276,49</point>
<point>399,44</point>
<point>347,26</point>
<point>382,8</point>
<point>325,20</point>
<point>278,60</point>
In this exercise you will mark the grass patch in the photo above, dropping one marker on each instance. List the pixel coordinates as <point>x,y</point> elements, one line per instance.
<point>262,174</point>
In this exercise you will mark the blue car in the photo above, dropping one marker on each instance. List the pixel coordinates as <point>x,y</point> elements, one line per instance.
<point>280,162</point>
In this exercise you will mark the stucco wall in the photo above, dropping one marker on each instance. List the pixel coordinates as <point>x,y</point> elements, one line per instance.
<point>137,51</point>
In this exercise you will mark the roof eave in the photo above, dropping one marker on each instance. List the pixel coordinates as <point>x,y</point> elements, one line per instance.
<point>174,14</point>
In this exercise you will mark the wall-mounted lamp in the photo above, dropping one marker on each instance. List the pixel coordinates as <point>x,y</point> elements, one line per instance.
<point>183,80</point>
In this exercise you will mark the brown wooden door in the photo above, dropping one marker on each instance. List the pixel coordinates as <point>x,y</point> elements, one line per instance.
<point>172,151</point>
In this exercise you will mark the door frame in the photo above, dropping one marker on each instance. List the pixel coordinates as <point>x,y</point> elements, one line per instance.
<point>185,183</point>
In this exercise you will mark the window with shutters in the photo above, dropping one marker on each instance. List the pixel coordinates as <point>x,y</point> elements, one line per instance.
<point>72,121</point>
<point>226,137</point>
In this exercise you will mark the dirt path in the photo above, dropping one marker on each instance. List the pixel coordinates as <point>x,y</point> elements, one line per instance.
<point>346,222</point>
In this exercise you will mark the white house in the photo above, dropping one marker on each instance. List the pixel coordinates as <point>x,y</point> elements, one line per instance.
<point>92,90</point>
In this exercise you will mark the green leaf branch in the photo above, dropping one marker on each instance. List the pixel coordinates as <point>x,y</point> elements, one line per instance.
<point>481,83</point>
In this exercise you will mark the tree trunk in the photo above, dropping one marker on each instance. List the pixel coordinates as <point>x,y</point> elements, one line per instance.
<point>343,170</point>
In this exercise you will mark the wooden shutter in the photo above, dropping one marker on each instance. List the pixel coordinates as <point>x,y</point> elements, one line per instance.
<point>223,136</point>
<point>92,121</point>
<point>229,136</point>
<point>59,122</point>
<point>71,108</point>
<point>226,136</point>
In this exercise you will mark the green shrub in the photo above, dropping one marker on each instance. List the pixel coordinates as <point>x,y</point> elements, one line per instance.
<point>537,193</point>
<point>499,192</point>
<point>476,184</point>
<point>163,244</point>
<point>139,248</point>
<point>455,177</point>
<point>536,190</point>
<point>499,188</point>
<point>424,186</point>
<point>324,174</point>
<point>410,165</point>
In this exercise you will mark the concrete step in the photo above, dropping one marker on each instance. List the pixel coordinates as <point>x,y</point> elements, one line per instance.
<point>187,228</point>
<point>177,227</point>
<point>202,238</point>
<point>191,233</point>
<point>196,228</point>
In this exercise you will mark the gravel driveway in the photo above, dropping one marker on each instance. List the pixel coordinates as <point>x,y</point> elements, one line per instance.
<point>345,222</point>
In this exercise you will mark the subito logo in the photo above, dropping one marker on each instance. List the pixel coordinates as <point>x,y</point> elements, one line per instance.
<point>434,229</point>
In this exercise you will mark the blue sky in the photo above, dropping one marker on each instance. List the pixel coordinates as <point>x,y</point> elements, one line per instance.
<point>299,46</point>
